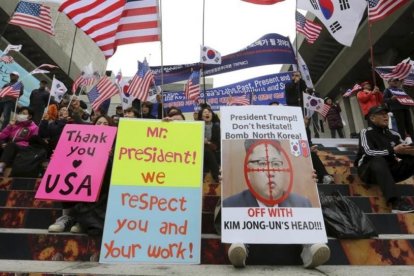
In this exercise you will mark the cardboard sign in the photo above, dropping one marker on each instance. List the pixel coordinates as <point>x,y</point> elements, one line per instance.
<point>154,207</point>
<point>78,164</point>
<point>269,196</point>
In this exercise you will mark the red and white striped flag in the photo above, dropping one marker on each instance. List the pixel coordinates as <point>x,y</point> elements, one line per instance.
<point>400,71</point>
<point>141,82</point>
<point>306,27</point>
<point>315,104</point>
<point>7,59</point>
<point>239,100</point>
<point>12,90</point>
<point>192,86</point>
<point>111,23</point>
<point>106,90</point>
<point>354,89</point>
<point>33,15</point>
<point>379,9</point>
<point>40,69</point>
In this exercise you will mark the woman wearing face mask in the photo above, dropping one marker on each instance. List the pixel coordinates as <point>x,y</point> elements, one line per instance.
<point>16,136</point>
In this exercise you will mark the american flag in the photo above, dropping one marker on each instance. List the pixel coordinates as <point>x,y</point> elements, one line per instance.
<point>379,9</point>
<point>32,15</point>
<point>103,91</point>
<point>384,70</point>
<point>192,86</point>
<point>315,104</point>
<point>354,89</point>
<point>239,100</point>
<point>12,90</point>
<point>111,23</point>
<point>401,71</point>
<point>7,59</point>
<point>141,82</point>
<point>306,27</point>
<point>84,80</point>
<point>263,2</point>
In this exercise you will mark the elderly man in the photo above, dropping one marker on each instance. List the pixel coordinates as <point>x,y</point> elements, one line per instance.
<point>384,159</point>
<point>265,171</point>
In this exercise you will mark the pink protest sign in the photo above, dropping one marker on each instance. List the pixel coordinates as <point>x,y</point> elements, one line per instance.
<point>78,164</point>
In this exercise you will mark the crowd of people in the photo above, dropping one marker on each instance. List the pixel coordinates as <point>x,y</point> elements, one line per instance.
<point>42,123</point>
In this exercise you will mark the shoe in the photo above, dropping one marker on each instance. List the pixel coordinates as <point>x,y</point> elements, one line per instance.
<point>401,206</point>
<point>76,228</point>
<point>237,255</point>
<point>314,255</point>
<point>64,223</point>
<point>328,179</point>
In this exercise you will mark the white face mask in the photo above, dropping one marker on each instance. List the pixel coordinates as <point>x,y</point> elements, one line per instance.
<point>22,118</point>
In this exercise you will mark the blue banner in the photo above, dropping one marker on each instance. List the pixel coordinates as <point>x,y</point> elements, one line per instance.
<point>269,49</point>
<point>260,91</point>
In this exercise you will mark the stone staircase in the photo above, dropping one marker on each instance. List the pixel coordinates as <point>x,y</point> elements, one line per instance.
<point>23,221</point>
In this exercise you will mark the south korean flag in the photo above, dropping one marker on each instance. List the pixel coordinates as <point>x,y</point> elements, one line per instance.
<point>340,17</point>
<point>295,148</point>
<point>209,56</point>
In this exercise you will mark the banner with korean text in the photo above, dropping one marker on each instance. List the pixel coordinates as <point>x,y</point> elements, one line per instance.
<point>78,164</point>
<point>269,195</point>
<point>261,91</point>
<point>154,204</point>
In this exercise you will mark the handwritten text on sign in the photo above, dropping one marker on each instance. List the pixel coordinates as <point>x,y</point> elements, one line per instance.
<point>154,207</point>
<point>78,164</point>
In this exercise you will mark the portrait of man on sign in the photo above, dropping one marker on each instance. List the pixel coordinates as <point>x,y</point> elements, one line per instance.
<point>273,175</point>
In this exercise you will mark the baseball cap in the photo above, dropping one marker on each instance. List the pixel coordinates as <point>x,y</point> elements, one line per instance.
<point>376,109</point>
<point>15,73</point>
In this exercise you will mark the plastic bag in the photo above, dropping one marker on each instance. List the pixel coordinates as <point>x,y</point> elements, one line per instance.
<point>343,218</point>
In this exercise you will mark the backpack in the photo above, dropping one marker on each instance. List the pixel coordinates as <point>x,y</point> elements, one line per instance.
<point>28,162</point>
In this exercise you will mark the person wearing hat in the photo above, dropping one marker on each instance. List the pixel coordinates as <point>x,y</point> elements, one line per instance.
<point>368,98</point>
<point>8,103</point>
<point>384,159</point>
<point>38,101</point>
<point>401,112</point>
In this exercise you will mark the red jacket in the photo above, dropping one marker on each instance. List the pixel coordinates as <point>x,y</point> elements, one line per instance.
<point>368,99</point>
<point>20,133</point>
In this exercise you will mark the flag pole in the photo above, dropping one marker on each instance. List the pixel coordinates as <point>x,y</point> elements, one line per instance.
<point>202,43</point>
<point>50,96</point>
<point>371,49</point>
<point>73,47</point>
<point>162,62</point>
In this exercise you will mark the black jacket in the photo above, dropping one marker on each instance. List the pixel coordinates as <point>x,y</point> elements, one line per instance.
<point>375,141</point>
<point>294,93</point>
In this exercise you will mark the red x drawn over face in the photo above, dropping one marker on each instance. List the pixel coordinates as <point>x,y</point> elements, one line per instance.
<point>268,172</point>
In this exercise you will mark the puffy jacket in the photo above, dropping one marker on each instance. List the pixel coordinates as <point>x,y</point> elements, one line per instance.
<point>20,133</point>
<point>368,99</point>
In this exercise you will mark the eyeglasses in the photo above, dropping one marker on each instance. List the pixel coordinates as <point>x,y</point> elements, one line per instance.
<point>262,164</point>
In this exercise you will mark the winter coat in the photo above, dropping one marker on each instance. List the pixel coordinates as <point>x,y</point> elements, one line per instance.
<point>20,133</point>
<point>367,99</point>
<point>334,117</point>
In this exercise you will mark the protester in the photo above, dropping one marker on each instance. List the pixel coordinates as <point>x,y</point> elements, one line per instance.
<point>294,90</point>
<point>131,113</point>
<point>50,129</point>
<point>211,131</point>
<point>77,111</point>
<point>401,112</point>
<point>16,136</point>
<point>119,111</point>
<point>383,159</point>
<point>7,103</point>
<point>38,101</point>
<point>89,217</point>
<point>367,98</point>
<point>97,113</point>
<point>146,109</point>
<point>258,195</point>
<point>115,119</point>
<point>334,118</point>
